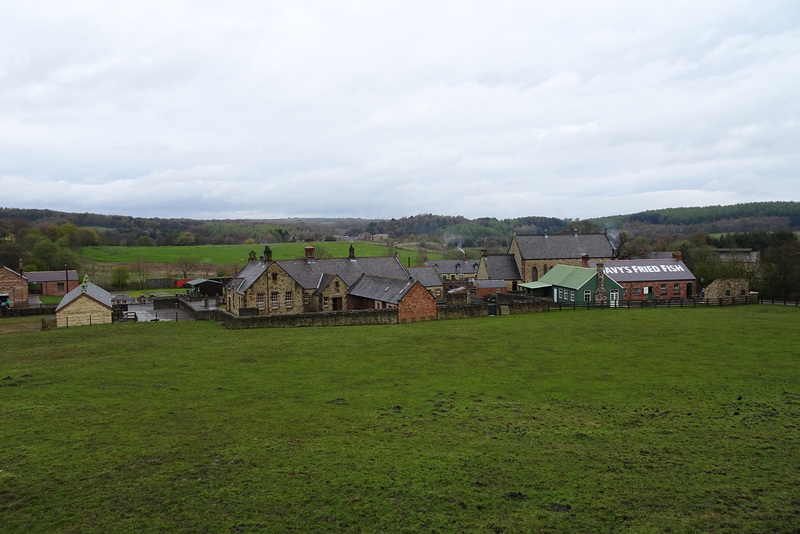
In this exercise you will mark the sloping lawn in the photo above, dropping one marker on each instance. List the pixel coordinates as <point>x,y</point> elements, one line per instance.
<point>653,420</point>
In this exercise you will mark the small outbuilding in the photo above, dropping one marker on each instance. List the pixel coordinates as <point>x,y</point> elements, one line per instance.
<point>727,287</point>
<point>203,286</point>
<point>52,283</point>
<point>412,301</point>
<point>87,304</point>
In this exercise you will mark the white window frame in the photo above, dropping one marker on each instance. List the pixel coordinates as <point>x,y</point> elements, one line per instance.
<point>587,295</point>
<point>273,300</point>
<point>261,301</point>
<point>289,300</point>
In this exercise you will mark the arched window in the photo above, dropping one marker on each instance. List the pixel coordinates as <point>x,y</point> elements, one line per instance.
<point>534,274</point>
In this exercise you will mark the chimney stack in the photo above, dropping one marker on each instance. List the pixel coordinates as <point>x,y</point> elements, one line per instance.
<point>585,260</point>
<point>21,273</point>
<point>352,252</point>
<point>310,252</point>
<point>267,253</point>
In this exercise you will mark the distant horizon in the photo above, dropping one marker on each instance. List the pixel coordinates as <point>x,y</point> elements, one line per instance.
<point>317,217</point>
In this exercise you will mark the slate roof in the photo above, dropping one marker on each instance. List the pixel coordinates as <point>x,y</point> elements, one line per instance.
<point>427,276</point>
<point>461,266</point>
<point>199,281</point>
<point>92,291</point>
<point>646,270</point>
<point>38,277</point>
<point>573,246</point>
<point>490,284</point>
<point>309,272</point>
<point>324,281</point>
<point>502,267</point>
<point>247,276</point>
<point>391,290</point>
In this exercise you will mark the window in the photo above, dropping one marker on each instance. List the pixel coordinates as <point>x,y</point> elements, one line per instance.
<point>306,298</point>
<point>289,297</point>
<point>676,289</point>
<point>261,301</point>
<point>637,290</point>
<point>59,286</point>
<point>742,292</point>
<point>663,289</point>
<point>336,285</point>
<point>274,277</point>
<point>727,292</point>
<point>560,293</point>
<point>324,302</point>
<point>572,296</point>
<point>587,296</point>
<point>273,299</point>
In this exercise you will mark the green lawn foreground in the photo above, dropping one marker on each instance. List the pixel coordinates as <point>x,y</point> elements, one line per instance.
<point>647,420</point>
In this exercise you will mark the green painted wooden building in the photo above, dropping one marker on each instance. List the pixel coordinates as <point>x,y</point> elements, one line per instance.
<point>580,285</point>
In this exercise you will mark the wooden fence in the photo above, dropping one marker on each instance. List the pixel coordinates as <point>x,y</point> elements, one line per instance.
<point>667,303</point>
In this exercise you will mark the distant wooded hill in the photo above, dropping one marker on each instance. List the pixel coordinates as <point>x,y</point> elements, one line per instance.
<point>454,230</point>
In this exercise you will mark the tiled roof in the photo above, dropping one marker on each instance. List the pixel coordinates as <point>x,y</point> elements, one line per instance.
<point>465,267</point>
<point>38,277</point>
<point>308,273</point>
<point>646,270</point>
<point>573,246</point>
<point>502,267</point>
<point>94,291</point>
<point>391,290</point>
<point>427,276</point>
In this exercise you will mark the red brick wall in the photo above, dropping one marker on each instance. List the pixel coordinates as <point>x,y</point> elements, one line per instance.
<point>631,287</point>
<point>51,288</point>
<point>15,286</point>
<point>417,305</point>
<point>480,293</point>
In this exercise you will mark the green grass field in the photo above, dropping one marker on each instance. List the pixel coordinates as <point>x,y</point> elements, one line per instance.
<point>237,254</point>
<point>647,420</point>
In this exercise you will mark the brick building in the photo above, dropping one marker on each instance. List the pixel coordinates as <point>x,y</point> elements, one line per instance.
<point>52,283</point>
<point>430,280</point>
<point>412,300</point>
<point>652,279</point>
<point>13,288</point>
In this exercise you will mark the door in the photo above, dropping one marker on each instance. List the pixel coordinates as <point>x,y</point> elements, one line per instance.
<point>650,294</point>
<point>613,298</point>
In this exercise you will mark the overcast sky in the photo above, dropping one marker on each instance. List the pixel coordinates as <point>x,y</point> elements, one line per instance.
<point>380,109</point>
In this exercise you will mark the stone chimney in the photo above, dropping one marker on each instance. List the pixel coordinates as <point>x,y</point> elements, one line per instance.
<point>21,273</point>
<point>352,252</point>
<point>601,295</point>
<point>310,252</point>
<point>484,252</point>
<point>585,260</point>
<point>267,253</point>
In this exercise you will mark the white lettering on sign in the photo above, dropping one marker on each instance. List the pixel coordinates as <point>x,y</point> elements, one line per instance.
<point>635,269</point>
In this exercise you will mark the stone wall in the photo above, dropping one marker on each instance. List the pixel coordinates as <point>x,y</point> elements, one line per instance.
<point>341,318</point>
<point>83,311</point>
<point>727,287</point>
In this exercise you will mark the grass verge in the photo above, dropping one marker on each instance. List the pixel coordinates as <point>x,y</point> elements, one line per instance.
<point>650,420</point>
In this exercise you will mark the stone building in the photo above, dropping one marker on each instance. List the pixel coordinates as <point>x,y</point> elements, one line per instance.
<point>13,288</point>
<point>727,287</point>
<point>430,280</point>
<point>87,304</point>
<point>280,287</point>
<point>535,255</point>
<point>461,270</point>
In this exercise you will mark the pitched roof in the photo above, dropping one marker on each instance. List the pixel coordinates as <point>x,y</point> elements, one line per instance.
<point>574,246</point>
<point>461,266</point>
<point>568,276</point>
<point>308,273</point>
<point>92,291</point>
<point>489,284</point>
<point>391,290</point>
<point>427,276</point>
<point>646,270</point>
<point>38,277</point>
<point>501,267</point>
<point>15,273</point>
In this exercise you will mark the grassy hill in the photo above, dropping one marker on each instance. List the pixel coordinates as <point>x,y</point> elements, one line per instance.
<point>655,420</point>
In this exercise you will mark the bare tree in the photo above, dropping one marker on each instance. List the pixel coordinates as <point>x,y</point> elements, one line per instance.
<point>186,264</point>
<point>141,271</point>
